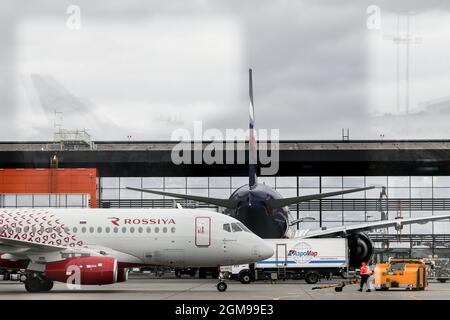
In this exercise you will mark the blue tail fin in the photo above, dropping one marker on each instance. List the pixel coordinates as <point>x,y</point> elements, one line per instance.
<point>252,146</point>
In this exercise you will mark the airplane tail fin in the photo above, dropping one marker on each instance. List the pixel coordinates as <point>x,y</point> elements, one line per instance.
<point>252,146</point>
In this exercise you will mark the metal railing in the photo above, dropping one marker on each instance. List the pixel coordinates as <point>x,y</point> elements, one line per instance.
<point>418,204</point>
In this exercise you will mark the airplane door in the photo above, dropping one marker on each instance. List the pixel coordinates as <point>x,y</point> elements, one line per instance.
<point>281,255</point>
<point>202,231</point>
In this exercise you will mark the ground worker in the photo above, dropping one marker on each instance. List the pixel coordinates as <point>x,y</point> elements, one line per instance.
<point>365,274</point>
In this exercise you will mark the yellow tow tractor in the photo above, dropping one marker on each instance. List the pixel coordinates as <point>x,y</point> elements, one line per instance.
<point>401,273</point>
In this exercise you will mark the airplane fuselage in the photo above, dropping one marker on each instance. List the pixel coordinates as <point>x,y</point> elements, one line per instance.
<point>174,237</point>
<point>264,221</point>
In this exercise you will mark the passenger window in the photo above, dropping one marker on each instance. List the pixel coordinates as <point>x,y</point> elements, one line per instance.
<point>235,227</point>
<point>116,229</point>
<point>124,229</point>
<point>99,230</point>
<point>156,229</point>
<point>91,229</point>
<point>149,229</point>
<point>140,229</point>
<point>165,229</point>
<point>173,229</point>
<point>107,229</point>
<point>132,229</point>
<point>226,227</point>
<point>75,229</point>
<point>83,229</point>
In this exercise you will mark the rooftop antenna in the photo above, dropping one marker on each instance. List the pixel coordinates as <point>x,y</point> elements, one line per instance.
<point>346,137</point>
<point>57,121</point>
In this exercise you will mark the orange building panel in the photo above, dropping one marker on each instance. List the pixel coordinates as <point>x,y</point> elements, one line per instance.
<point>50,181</point>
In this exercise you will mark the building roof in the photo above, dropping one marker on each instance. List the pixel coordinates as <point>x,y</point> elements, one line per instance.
<point>283,145</point>
<point>153,158</point>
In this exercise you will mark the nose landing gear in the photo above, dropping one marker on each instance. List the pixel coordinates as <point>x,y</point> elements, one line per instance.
<point>221,286</point>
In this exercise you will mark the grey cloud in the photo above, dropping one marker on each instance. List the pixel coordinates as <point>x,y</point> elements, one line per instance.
<point>309,59</point>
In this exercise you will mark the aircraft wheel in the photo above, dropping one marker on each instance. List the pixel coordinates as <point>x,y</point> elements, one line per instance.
<point>222,286</point>
<point>46,285</point>
<point>33,285</point>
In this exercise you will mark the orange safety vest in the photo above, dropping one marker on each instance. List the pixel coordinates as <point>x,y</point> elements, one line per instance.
<point>365,270</point>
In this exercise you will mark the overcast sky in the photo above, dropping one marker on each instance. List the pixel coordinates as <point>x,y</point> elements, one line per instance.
<point>145,68</point>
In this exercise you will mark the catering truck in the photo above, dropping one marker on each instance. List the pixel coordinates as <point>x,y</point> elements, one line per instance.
<point>308,259</point>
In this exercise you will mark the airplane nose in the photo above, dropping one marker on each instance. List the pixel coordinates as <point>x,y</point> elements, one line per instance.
<point>266,250</point>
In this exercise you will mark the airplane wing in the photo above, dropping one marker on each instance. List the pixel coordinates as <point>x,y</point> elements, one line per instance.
<point>226,203</point>
<point>19,246</point>
<point>345,230</point>
<point>278,203</point>
<point>274,203</point>
<point>19,249</point>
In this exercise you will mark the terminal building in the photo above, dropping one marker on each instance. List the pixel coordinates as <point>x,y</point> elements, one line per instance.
<point>415,174</point>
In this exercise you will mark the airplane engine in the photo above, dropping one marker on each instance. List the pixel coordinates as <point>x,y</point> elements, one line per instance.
<point>122,275</point>
<point>92,270</point>
<point>13,264</point>
<point>361,249</point>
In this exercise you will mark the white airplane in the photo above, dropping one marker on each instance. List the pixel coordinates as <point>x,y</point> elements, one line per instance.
<point>97,246</point>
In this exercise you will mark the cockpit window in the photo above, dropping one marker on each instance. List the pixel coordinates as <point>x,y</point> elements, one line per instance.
<point>227,227</point>
<point>243,227</point>
<point>235,227</point>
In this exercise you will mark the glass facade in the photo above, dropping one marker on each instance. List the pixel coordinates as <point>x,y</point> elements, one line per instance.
<point>44,200</point>
<point>407,196</point>
<point>403,193</point>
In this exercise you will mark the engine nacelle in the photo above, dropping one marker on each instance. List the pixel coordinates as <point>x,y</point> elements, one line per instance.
<point>361,249</point>
<point>6,263</point>
<point>122,275</point>
<point>92,270</point>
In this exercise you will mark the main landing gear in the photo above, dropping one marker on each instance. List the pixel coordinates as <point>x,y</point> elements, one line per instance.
<point>36,282</point>
<point>221,286</point>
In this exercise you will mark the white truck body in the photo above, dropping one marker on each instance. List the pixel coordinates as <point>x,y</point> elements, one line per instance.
<point>307,253</point>
<point>295,258</point>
